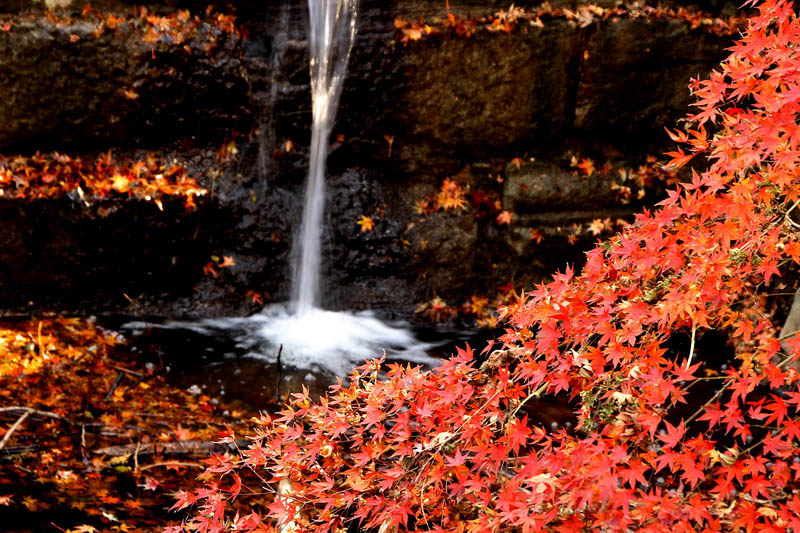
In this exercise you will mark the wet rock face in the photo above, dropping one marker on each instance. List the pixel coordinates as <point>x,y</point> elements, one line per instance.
<point>536,188</point>
<point>491,92</point>
<point>635,74</point>
<point>57,250</point>
<point>410,116</point>
<point>67,87</point>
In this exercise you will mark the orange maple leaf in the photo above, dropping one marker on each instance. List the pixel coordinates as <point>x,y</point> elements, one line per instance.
<point>504,218</point>
<point>596,226</point>
<point>255,297</point>
<point>209,269</point>
<point>586,166</point>
<point>366,224</point>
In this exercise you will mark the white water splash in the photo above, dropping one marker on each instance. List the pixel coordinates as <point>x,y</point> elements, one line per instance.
<point>334,341</point>
<point>337,340</point>
<point>332,29</point>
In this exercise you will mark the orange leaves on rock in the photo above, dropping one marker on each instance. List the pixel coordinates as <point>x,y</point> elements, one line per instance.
<point>504,217</point>
<point>210,268</point>
<point>514,18</point>
<point>437,310</point>
<point>586,166</point>
<point>366,223</point>
<point>55,175</point>
<point>410,31</point>
<point>450,196</point>
<point>255,296</point>
<point>174,29</point>
<point>597,226</point>
<point>227,151</point>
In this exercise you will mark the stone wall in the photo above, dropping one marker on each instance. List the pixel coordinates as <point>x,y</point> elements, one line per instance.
<point>411,116</point>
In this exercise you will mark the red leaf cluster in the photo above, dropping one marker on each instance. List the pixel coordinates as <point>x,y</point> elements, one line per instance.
<point>452,450</point>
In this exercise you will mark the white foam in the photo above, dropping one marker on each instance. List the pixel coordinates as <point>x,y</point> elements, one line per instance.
<point>335,341</point>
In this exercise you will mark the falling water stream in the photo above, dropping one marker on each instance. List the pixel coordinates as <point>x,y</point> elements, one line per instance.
<point>332,30</point>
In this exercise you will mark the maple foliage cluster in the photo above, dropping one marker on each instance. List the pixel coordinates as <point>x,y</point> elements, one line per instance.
<point>514,18</point>
<point>54,175</point>
<point>452,450</point>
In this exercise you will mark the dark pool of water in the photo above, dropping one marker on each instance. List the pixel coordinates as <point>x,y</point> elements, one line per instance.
<point>219,361</point>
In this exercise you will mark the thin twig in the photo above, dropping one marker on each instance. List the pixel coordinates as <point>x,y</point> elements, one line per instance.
<point>18,450</point>
<point>127,371</point>
<point>136,455</point>
<point>115,385</point>
<point>709,402</point>
<point>83,441</point>
<point>154,465</point>
<point>42,350</point>
<point>278,377</point>
<point>691,347</point>
<point>13,428</point>
<point>535,394</point>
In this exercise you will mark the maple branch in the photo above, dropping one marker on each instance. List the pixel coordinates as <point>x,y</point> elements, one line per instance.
<point>534,394</point>
<point>115,385</point>
<point>712,399</point>
<point>127,371</point>
<point>791,208</point>
<point>691,347</point>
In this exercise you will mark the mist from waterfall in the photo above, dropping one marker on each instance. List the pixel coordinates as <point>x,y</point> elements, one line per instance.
<point>331,33</point>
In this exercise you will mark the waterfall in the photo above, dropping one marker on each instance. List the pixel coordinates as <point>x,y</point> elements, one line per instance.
<point>306,335</point>
<point>332,29</point>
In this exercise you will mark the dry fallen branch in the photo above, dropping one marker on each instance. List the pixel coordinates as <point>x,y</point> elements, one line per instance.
<point>35,412</point>
<point>13,428</point>
<point>25,413</point>
<point>187,447</point>
<point>169,464</point>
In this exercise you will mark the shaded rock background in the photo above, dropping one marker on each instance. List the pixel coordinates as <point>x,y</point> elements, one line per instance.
<point>410,117</point>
